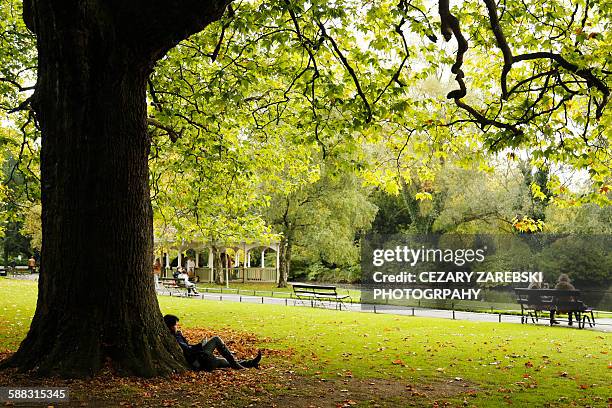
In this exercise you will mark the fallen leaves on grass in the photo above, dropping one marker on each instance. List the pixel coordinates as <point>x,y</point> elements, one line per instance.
<point>108,389</point>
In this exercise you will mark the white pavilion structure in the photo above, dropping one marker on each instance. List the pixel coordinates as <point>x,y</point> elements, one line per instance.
<point>240,269</point>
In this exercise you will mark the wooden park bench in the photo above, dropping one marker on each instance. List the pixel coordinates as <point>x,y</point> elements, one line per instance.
<point>174,285</point>
<point>534,301</point>
<point>18,270</point>
<point>319,293</point>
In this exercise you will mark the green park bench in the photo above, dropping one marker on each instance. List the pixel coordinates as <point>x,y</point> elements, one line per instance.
<point>319,294</point>
<point>534,301</point>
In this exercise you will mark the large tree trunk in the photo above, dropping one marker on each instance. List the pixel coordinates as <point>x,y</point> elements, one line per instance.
<point>96,300</point>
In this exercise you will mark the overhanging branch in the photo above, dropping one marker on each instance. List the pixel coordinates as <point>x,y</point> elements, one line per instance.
<point>172,134</point>
<point>350,70</point>
<point>450,27</point>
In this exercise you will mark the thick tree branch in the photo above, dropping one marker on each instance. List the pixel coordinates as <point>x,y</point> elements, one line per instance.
<point>585,73</point>
<point>484,121</point>
<point>174,135</point>
<point>450,27</point>
<point>23,106</point>
<point>224,27</point>
<point>17,85</point>
<point>350,70</point>
<point>396,75</point>
<point>152,27</point>
<point>502,43</point>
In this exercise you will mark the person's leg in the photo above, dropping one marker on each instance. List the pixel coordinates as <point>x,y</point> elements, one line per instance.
<point>209,362</point>
<point>217,344</point>
<point>253,363</point>
<point>552,318</point>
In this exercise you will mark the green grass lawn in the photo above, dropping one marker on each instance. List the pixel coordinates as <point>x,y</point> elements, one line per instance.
<point>501,364</point>
<point>267,289</point>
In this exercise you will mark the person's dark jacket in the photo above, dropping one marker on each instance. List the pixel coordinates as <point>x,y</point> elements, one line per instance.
<point>190,352</point>
<point>564,285</point>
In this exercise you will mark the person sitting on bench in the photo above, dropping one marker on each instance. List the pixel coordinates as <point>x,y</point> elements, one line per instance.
<point>200,356</point>
<point>534,284</point>
<point>191,287</point>
<point>563,283</point>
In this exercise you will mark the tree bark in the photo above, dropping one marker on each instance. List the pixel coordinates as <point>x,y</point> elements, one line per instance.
<point>96,301</point>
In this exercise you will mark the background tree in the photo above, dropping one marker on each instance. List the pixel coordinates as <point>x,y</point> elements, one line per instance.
<point>322,221</point>
<point>19,191</point>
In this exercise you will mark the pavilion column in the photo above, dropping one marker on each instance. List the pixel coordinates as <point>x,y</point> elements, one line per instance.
<point>249,259</point>
<point>263,262</point>
<point>197,260</point>
<point>244,264</point>
<point>167,262</point>
<point>161,259</point>
<point>210,265</point>
<point>225,276</point>
<point>277,263</point>
<point>180,258</point>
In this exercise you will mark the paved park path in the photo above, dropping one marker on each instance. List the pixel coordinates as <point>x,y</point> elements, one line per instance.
<point>602,324</point>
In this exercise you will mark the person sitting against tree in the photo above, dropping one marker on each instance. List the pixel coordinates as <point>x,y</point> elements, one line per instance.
<point>191,287</point>
<point>200,356</point>
<point>564,283</point>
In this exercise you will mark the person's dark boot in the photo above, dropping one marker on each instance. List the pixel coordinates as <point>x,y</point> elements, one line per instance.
<point>253,363</point>
<point>224,351</point>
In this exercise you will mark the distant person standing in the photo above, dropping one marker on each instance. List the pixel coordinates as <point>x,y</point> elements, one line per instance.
<point>157,267</point>
<point>190,266</point>
<point>32,264</point>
